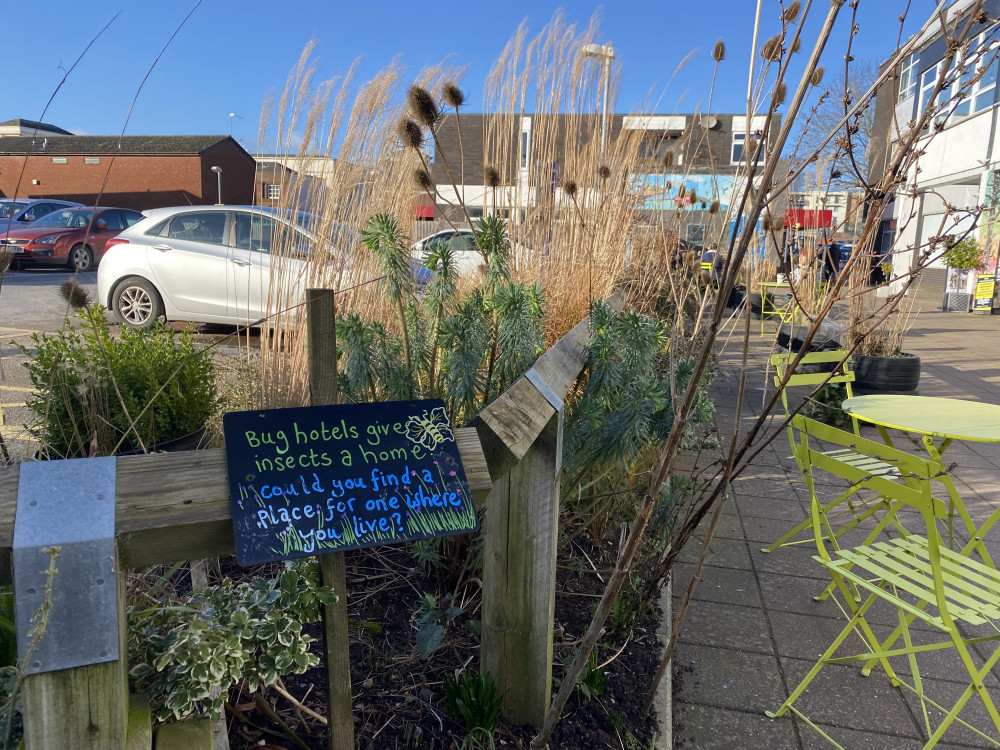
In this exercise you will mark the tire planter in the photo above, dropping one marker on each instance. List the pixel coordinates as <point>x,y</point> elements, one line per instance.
<point>736,297</point>
<point>886,374</point>
<point>756,303</point>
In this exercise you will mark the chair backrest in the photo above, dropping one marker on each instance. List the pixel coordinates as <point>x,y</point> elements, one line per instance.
<point>841,373</point>
<point>894,474</point>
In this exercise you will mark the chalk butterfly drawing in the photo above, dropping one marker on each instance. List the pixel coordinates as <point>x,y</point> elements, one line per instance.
<point>430,430</point>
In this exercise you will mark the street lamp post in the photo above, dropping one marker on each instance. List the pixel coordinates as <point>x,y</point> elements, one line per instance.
<point>606,53</point>
<point>218,172</point>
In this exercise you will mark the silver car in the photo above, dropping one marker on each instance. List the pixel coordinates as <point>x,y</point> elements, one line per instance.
<point>16,212</point>
<point>211,264</point>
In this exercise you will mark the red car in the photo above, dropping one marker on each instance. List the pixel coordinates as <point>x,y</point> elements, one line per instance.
<point>73,237</point>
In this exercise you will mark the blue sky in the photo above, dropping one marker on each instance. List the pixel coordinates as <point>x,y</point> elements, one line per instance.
<point>229,55</point>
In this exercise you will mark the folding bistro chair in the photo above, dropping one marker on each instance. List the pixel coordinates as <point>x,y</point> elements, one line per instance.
<point>845,511</point>
<point>916,575</point>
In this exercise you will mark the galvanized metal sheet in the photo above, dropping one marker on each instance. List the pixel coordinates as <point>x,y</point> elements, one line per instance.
<point>70,505</point>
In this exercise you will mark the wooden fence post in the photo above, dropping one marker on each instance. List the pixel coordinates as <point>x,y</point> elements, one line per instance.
<point>75,688</point>
<point>321,312</point>
<point>519,582</point>
<point>521,434</point>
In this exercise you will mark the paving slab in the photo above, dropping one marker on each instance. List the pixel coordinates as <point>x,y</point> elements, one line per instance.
<point>753,629</point>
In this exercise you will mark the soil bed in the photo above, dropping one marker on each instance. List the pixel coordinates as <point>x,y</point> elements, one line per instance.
<point>398,696</point>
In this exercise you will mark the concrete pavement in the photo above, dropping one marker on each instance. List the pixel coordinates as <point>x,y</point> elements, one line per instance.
<point>754,629</point>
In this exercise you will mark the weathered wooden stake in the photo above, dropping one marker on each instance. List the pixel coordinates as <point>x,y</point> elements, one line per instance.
<point>519,579</point>
<point>84,707</point>
<point>321,312</point>
<point>521,434</point>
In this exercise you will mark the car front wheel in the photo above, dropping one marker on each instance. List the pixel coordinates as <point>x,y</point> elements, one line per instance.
<point>81,258</point>
<point>136,303</point>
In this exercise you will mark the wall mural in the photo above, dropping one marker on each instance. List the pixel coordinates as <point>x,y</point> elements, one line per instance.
<point>662,192</point>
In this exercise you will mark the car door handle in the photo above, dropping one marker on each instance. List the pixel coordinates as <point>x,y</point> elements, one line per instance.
<point>241,262</point>
<point>162,248</point>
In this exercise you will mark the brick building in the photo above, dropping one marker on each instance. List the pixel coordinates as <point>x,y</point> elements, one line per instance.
<point>707,157</point>
<point>136,171</point>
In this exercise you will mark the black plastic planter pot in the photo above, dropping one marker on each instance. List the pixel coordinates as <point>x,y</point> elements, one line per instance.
<point>191,441</point>
<point>886,374</point>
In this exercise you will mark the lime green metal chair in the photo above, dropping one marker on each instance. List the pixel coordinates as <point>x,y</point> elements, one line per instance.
<point>846,511</point>
<point>917,575</point>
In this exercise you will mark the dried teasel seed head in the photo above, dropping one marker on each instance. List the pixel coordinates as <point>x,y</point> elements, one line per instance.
<point>703,206</point>
<point>453,95</point>
<point>423,106</point>
<point>492,176</point>
<point>694,196</point>
<point>719,52</point>
<point>604,172</point>
<point>714,208</point>
<point>765,223</point>
<point>796,44</point>
<point>423,179</point>
<point>791,12</point>
<point>779,93</point>
<point>668,159</point>
<point>771,49</point>
<point>570,187</point>
<point>74,294</point>
<point>817,77</point>
<point>689,258</point>
<point>410,133</point>
<point>682,192</point>
<point>669,186</point>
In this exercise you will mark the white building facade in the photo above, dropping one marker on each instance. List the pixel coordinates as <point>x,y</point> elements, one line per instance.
<point>950,189</point>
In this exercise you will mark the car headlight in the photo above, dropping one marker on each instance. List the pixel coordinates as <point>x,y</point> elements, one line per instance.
<point>47,240</point>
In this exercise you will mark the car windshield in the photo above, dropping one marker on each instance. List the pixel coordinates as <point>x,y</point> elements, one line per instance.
<point>9,208</point>
<point>69,219</point>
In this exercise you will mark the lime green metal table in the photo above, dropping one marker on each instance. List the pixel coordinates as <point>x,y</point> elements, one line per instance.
<point>938,421</point>
<point>769,307</point>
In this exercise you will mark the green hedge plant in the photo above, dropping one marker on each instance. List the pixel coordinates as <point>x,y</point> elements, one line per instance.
<point>99,394</point>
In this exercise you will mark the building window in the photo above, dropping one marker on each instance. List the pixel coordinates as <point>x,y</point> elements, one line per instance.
<point>908,77</point>
<point>696,234</point>
<point>91,160</point>
<point>988,49</point>
<point>58,159</point>
<point>971,83</point>
<point>273,192</point>
<point>928,80</point>
<point>738,142</point>
<point>525,148</point>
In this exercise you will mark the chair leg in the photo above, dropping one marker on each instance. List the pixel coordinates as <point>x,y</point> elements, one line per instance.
<point>806,524</point>
<point>856,621</point>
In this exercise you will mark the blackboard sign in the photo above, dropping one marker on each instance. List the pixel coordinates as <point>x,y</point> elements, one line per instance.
<point>324,479</point>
